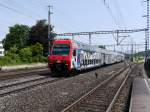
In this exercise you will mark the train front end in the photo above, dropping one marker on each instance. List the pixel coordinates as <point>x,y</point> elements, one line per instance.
<point>59,60</point>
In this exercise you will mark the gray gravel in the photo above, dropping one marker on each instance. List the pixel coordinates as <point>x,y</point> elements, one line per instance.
<point>19,79</point>
<point>22,73</point>
<point>22,86</point>
<point>56,96</point>
<point>123,101</point>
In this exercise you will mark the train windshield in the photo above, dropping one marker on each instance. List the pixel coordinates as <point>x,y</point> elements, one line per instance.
<point>61,49</point>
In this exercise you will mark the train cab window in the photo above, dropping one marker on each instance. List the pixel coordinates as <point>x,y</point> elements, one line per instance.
<point>61,49</point>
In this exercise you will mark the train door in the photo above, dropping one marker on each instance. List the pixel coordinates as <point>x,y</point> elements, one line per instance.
<point>78,59</point>
<point>103,58</point>
<point>74,59</point>
<point>109,59</point>
<point>100,59</point>
<point>106,58</point>
<point>82,53</point>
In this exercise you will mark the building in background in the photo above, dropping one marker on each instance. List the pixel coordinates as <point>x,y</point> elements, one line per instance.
<point>1,49</point>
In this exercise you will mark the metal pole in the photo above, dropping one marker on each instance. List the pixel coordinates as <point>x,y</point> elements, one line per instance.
<point>147,32</point>
<point>132,52</point>
<point>90,39</point>
<point>145,44</point>
<point>49,13</point>
<point>49,30</point>
<point>114,48</point>
<point>117,37</point>
<point>147,26</point>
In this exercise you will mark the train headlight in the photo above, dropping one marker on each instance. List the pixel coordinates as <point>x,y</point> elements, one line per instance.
<point>66,63</point>
<point>58,61</point>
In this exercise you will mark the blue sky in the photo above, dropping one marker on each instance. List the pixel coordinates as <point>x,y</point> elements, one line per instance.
<point>77,16</point>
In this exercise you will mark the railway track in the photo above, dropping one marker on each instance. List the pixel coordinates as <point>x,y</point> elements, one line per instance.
<point>17,87</point>
<point>111,106</point>
<point>14,83</point>
<point>22,73</point>
<point>52,96</point>
<point>24,81</point>
<point>102,97</point>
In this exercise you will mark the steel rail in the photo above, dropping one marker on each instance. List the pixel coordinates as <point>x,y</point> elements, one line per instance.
<point>70,107</point>
<point>118,92</point>
<point>3,91</point>
<point>21,82</point>
<point>24,73</point>
<point>15,90</point>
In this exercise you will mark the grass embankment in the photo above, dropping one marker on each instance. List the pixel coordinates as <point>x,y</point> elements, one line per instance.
<point>8,61</point>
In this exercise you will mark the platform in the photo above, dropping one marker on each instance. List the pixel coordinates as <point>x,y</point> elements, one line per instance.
<point>140,99</point>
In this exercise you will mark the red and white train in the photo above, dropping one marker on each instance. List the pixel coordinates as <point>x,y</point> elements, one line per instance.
<point>67,55</point>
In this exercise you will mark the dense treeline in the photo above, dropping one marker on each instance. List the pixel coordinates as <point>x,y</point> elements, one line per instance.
<point>24,44</point>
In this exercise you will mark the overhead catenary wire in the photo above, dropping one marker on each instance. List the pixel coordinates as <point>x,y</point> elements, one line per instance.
<point>120,17</point>
<point>16,11</point>
<point>43,6</point>
<point>61,27</point>
<point>25,8</point>
<point>119,13</point>
<point>111,13</point>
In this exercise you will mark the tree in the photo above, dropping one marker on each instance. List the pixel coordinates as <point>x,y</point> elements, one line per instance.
<point>39,33</point>
<point>17,36</point>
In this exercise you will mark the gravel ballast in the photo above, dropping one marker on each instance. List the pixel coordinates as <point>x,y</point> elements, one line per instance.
<point>56,96</point>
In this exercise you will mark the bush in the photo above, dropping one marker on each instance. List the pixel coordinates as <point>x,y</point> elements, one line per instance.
<point>11,57</point>
<point>26,55</point>
<point>30,54</point>
<point>6,60</point>
<point>39,59</point>
<point>43,59</point>
<point>35,59</point>
<point>37,49</point>
<point>12,53</point>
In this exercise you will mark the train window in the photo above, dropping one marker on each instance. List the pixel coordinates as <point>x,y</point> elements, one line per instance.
<point>85,61</point>
<point>61,49</point>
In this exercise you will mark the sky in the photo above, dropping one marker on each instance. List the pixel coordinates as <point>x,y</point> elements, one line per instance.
<point>79,16</point>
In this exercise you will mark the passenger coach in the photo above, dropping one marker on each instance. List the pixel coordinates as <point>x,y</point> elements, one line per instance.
<point>67,55</point>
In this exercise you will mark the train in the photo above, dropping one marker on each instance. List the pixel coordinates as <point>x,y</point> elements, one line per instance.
<point>68,55</point>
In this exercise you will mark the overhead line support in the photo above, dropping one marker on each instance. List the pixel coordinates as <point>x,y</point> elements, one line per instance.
<point>102,32</point>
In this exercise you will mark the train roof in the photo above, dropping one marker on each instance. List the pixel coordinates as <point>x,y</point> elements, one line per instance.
<point>92,48</point>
